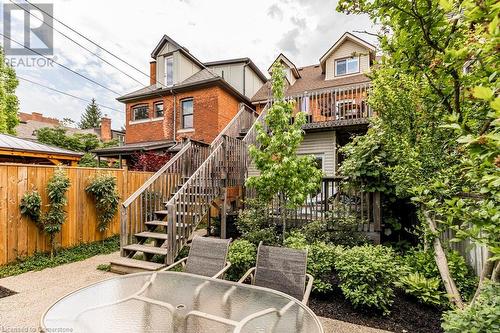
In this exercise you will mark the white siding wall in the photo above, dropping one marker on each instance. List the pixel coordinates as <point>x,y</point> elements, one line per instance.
<point>183,67</point>
<point>346,50</point>
<point>160,63</point>
<point>233,74</point>
<point>317,143</point>
<point>252,82</point>
<point>289,75</point>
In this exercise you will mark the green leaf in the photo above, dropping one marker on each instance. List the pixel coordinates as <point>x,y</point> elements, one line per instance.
<point>495,104</point>
<point>446,5</point>
<point>482,92</point>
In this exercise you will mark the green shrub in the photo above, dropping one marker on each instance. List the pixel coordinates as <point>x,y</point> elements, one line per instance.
<point>426,290</point>
<point>102,187</point>
<point>31,206</point>
<point>481,317</point>
<point>336,230</point>
<point>320,259</point>
<point>242,256</point>
<point>423,262</point>
<point>254,226</point>
<point>367,275</point>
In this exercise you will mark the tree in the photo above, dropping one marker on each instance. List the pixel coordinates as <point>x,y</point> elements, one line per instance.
<point>82,142</point>
<point>91,118</point>
<point>283,174</point>
<point>8,101</point>
<point>436,94</point>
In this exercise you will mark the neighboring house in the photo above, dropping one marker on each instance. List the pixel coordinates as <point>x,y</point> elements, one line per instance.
<point>186,99</point>
<point>30,123</point>
<point>333,94</point>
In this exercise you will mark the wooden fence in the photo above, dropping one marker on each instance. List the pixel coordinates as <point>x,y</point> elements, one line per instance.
<point>475,255</point>
<point>20,237</point>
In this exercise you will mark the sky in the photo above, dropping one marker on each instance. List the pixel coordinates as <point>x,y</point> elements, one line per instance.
<point>211,30</point>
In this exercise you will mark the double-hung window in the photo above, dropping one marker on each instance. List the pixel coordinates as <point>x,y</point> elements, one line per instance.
<point>187,113</point>
<point>169,71</point>
<point>158,107</point>
<point>346,66</point>
<point>140,112</point>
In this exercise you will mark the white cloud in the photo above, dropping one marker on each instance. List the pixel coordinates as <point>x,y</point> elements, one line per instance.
<point>211,30</point>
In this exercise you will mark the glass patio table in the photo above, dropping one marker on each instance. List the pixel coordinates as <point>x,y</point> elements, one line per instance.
<point>177,302</point>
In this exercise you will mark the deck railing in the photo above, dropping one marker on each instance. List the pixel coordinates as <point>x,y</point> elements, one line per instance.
<point>190,204</point>
<point>241,122</point>
<point>159,188</point>
<point>345,104</point>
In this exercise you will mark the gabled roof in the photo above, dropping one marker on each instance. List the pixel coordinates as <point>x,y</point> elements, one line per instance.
<point>166,39</point>
<point>340,41</point>
<point>15,144</point>
<point>287,62</point>
<point>247,60</point>
<point>312,79</point>
<point>135,147</point>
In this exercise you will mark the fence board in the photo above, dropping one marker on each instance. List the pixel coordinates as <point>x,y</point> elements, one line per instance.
<point>20,237</point>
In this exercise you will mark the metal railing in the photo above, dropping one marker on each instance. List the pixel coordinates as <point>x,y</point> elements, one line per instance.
<point>334,104</point>
<point>191,202</point>
<point>159,188</point>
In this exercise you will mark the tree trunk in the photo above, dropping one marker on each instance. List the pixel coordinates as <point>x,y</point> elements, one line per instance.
<point>442,264</point>
<point>495,276</point>
<point>485,274</point>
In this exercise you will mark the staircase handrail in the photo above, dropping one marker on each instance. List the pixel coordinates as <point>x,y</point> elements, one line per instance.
<point>233,124</point>
<point>158,173</point>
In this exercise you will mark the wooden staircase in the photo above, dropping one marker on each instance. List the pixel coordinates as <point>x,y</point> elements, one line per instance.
<point>161,216</point>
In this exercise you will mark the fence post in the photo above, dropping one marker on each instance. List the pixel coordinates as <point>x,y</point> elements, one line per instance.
<point>172,235</point>
<point>377,214</point>
<point>223,218</point>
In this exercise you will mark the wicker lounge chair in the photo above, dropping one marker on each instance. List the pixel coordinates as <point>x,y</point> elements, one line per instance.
<point>207,257</point>
<point>281,269</point>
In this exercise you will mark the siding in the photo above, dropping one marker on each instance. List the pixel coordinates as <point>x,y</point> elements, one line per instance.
<point>317,143</point>
<point>233,74</point>
<point>346,50</point>
<point>252,82</point>
<point>160,63</point>
<point>183,67</point>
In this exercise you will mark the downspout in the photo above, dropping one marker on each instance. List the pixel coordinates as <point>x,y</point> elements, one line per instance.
<point>175,111</point>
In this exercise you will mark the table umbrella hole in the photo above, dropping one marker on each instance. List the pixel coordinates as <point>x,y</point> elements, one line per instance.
<point>180,307</point>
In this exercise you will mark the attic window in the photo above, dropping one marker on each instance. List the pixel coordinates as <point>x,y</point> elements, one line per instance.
<point>169,71</point>
<point>346,66</point>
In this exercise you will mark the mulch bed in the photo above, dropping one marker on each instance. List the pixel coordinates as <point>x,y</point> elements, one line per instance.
<point>407,315</point>
<point>4,292</point>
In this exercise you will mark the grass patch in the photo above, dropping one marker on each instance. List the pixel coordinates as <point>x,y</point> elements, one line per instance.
<point>40,261</point>
<point>104,267</point>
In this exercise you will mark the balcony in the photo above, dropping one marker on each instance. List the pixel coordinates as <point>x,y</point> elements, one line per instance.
<point>335,107</point>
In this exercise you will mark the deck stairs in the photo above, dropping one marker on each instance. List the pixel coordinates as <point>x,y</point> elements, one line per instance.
<point>162,215</point>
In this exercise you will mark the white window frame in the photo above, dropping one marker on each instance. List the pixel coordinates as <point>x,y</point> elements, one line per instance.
<point>168,82</point>
<point>183,126</point>
<point>347,60</point>
<point>155,116</point>
<point>132,116</point>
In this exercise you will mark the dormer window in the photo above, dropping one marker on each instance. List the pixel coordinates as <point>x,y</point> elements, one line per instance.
<point>346,66</point>
<point>169,71</point>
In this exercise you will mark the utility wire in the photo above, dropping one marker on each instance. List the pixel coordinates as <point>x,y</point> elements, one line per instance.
<point>80,45</point>
<point>88,39</point>
<point>67,94</point>
<point>63,66</point>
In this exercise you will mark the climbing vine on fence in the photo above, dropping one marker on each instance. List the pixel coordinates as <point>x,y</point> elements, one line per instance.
<point>103,189</point>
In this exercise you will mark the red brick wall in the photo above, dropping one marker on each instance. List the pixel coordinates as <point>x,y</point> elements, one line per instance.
<point>213,108</point>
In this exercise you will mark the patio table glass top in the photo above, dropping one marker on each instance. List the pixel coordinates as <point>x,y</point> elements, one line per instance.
<point>178,302</point>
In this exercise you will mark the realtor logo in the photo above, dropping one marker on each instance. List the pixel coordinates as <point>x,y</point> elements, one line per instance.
<point>27,29</point>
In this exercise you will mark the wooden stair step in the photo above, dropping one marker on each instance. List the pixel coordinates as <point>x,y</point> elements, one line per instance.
<point>128,265</point>
<point>149,234</point>
<point>157,223</point>
<point>146,249</point>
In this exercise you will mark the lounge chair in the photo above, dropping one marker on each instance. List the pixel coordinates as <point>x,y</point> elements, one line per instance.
<point>281,269</point>
<point>207,257</point>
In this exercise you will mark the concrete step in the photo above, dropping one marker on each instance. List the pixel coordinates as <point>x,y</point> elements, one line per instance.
<point>146,249</point>
<point>128,265</point>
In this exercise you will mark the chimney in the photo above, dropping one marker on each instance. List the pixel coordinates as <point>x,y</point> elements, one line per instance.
<point>152,72</point>
<point>105,129</point>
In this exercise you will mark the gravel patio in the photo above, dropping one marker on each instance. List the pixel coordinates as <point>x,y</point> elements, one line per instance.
<point>37,290</point>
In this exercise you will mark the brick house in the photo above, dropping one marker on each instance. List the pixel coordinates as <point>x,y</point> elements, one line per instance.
<point>333,94</point>
<point>29,123</point>
<point>186,99</point>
